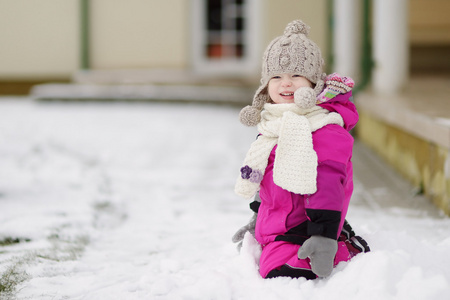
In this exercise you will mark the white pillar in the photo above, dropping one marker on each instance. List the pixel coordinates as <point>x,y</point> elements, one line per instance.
<point>390,45</point>
<point>347,32</point>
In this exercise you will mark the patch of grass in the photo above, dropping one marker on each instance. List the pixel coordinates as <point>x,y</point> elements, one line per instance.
<point>11,241</point>
<point>64,248</point>
<point>10,279</point>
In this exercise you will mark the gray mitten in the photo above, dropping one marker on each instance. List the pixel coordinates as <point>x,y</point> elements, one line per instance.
<point>238,237</point>
<point>321,251</point>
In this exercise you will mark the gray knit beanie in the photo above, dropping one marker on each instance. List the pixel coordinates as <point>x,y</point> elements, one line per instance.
<point>293,52</point>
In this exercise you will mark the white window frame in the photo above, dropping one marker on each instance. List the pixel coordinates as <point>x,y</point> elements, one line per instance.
<point>245,66</point>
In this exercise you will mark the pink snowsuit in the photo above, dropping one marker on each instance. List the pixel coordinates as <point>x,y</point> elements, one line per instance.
<point>285,220</point>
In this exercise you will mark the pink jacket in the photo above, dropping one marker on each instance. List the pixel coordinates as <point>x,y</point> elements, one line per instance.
<point>285,216</point>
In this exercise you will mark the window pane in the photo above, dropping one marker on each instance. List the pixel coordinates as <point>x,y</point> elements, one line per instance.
<point>214,12</point>
<point>239,50</point>
<point>240,24</point>
<point>226,24</point>
<point>214,51</point>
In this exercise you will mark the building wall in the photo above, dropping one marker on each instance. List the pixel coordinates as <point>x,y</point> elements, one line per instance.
<point>139,34</point>
<point>41,38</point>
<point>429,22</point>
<point>314,13</point>
<point>38,39</point>
<point>429,36</point>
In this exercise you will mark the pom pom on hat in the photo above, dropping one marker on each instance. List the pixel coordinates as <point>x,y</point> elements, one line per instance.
<point>305,97</point>
<point>250,115</point>
<point>296,27</point>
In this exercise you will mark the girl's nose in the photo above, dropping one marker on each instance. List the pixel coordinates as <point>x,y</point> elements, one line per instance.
<point>286,82</point>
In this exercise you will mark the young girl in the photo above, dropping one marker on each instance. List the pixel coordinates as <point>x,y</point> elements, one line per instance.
<point>300,165</point>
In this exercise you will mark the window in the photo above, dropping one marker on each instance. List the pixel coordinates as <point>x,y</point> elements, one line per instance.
<point>225,29</point>
<point>225,36</point>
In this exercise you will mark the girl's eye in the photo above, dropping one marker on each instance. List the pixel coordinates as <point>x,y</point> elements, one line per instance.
<point>276,77</point>
<point>296,75</point>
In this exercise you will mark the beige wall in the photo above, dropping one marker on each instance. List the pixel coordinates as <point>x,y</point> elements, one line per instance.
<point>140,34</point>
<point>38,38</point>
<point>429,22</point>
<point>277,13</point>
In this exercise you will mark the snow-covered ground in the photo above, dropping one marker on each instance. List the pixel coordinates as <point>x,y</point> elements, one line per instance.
<point>136,201</point>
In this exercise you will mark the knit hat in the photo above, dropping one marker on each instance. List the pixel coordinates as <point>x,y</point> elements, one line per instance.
<point>293,52</point>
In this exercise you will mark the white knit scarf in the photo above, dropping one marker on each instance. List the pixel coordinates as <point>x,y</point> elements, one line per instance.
<point>295,166</point>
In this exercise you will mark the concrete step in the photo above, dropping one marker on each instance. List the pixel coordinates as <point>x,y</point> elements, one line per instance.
<point>381,188</point>
<point>162,85</point>
<point>144,92</point>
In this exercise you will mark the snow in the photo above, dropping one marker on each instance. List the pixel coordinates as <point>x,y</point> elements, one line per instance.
<point>136,201</point>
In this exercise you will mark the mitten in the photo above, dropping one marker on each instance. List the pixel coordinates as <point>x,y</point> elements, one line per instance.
<point>321,252</point>
<point>238,237</point>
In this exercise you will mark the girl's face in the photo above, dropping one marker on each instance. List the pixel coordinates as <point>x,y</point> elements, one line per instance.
<point>281,87</point>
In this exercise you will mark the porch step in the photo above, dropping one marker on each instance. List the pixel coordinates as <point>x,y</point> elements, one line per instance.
<point>176,93</point>
<point>142,85</point>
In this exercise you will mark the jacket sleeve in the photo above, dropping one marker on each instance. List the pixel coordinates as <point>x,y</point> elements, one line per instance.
<point>324,208</point>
